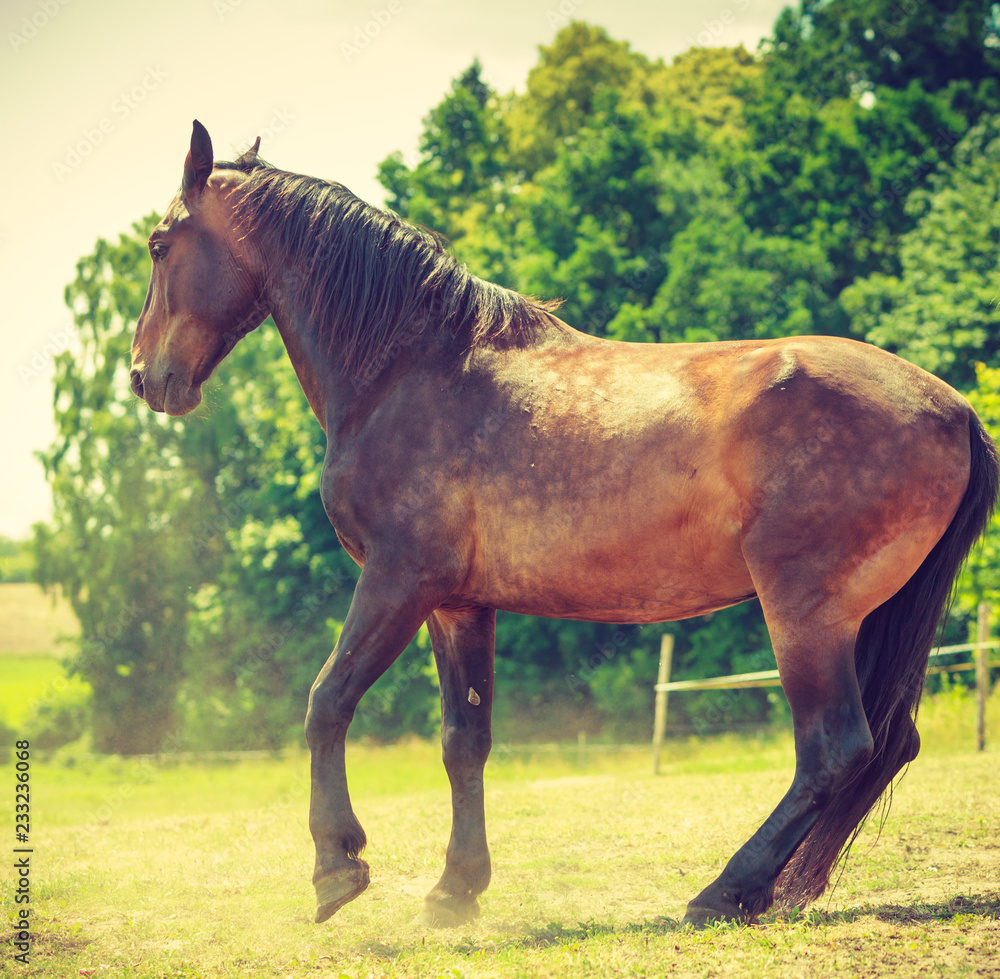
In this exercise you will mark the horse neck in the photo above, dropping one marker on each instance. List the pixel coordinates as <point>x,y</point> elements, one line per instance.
<point>425,345</point>
<point>333,395</point>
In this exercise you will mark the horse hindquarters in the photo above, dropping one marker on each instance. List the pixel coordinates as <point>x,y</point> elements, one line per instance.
<point>852,621</point>
<point>891,660</point>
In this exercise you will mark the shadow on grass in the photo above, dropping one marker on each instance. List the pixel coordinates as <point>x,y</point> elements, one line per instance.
<point>516,936</point>
<point>978,905</point>
<point>555,934</point>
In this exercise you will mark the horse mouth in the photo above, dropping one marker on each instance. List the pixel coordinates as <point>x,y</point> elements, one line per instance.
<point>172,396</point>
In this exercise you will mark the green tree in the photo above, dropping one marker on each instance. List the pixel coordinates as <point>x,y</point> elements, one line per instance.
<point>463,154</point>
<point>125,502</point>
<point>858,103</point>
<point>712,86</point>
<point>565,89</point>
<point>842,47</point>
<point>836,172</point>
<point>980,578</point>
<point>727,282</point>
<point>943,310</point>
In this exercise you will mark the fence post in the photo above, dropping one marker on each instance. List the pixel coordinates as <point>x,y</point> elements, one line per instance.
<point>982,673</point>
<point>660,714</point>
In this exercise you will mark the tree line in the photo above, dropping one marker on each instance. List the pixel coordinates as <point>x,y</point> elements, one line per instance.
<point>843,180</point>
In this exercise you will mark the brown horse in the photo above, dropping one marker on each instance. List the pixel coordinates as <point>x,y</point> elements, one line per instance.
<point>483,455</point>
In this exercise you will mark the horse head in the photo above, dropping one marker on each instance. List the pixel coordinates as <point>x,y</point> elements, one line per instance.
<point>206,285</point>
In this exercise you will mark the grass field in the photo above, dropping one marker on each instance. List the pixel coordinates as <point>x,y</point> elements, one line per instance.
<point>152,871</point>
<point>32,626</point>
<point>165,871</point>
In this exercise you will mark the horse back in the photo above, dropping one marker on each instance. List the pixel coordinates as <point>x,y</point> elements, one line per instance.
<point>592,479</point>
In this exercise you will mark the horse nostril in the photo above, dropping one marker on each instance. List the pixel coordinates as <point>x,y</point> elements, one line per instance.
<point>135,382</point>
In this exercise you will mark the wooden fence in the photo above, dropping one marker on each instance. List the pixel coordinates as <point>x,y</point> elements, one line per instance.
<point>769,678</point>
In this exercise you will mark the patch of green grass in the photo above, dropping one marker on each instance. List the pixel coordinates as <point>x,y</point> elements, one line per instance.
<point>30,678</point>
<point>947,720</point>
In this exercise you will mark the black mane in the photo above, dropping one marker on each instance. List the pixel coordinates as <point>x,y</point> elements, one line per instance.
<point>368,278</point>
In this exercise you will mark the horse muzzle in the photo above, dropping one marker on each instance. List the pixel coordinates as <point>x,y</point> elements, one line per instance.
<point>167,392</point>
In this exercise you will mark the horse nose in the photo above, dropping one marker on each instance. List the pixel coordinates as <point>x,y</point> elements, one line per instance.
<point>135,382</point>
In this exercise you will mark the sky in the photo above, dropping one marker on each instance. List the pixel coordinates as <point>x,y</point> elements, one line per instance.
<point>98,101</point>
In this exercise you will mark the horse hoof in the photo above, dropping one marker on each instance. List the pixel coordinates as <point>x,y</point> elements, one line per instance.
<point>339,888</point>
<point>699,917</point>
<point>447,914</point>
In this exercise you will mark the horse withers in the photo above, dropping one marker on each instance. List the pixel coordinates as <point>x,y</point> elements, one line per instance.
<point>483,455</point>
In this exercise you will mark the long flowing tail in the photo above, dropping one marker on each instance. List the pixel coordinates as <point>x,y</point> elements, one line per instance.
<point>890,655</point>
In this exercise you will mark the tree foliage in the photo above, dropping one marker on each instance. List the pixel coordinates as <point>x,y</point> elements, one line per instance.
<point>841,181</point>
<point>943,310</point>
<point>126,500</point>
<point>847,46</point>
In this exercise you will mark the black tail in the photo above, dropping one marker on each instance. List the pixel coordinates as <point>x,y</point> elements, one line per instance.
<point>890,656</point>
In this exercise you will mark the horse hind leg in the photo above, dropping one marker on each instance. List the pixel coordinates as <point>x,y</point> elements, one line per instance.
<point>807,875</point>
<point>832,743</point>
<point>463,650</point>
<point>852,621</point>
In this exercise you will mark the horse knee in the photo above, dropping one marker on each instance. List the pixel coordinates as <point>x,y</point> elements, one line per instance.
<point>465,745</point>
<point>327,713</point>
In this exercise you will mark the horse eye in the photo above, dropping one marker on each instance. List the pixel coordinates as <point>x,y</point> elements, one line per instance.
<point>158,250</point>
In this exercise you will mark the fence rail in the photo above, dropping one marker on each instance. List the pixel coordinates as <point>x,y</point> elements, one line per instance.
<point>769,678</point>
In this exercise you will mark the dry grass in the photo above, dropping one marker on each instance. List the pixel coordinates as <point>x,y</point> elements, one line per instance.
<point>32,622</point>
<point>204,872</point>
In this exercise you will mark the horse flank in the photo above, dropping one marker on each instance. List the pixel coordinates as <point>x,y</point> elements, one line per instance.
<point>370,281</point>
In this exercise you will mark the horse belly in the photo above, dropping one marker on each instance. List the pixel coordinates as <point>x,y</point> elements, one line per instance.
<point>630,557</point>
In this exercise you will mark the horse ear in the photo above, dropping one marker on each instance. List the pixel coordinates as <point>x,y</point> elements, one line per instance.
<point>199,162</point>
<point>248,160</point>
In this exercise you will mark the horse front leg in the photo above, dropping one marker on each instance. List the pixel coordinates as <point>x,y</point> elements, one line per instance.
<point>384,616</point>
<point>463,649</point>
